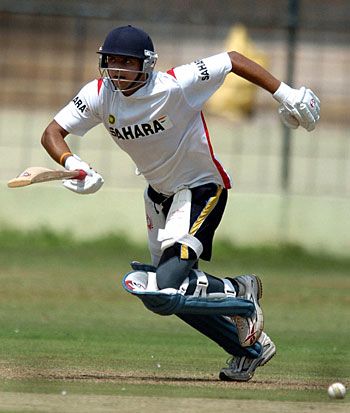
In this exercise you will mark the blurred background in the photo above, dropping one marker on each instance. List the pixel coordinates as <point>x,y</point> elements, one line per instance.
<point>289,186</point>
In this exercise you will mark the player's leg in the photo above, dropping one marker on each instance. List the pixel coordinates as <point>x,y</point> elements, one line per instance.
<point>192,218</point>
<point>218,328</point>
<point>207,205</point>
<point>196,305</point>
<point>223,332</point>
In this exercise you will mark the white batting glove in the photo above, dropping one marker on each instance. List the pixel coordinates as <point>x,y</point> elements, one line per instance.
<point>74,163</point>
<point>299,107</point>
<point>89,185</point>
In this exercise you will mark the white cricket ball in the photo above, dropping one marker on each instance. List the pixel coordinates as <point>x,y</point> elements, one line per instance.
<point>337,391</point>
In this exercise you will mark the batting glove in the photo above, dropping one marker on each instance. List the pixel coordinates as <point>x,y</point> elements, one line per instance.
<point>74,163</point>
<point>90,184</point>
<point>299,107</point>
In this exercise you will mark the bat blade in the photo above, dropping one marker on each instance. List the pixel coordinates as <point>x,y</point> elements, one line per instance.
<point>37,174</point>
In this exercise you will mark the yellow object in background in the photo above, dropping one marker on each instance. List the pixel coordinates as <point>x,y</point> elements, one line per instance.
<point>236,97</point>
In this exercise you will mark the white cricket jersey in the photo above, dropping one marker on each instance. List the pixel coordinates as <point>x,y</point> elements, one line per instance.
<point>161,125</point>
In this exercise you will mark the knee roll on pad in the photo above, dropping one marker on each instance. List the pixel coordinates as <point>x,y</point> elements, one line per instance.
<point>171,301</point>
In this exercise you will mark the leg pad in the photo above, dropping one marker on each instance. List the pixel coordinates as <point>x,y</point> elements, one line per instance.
<point>170,301</point>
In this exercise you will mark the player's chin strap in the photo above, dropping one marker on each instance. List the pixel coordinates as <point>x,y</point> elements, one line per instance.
<point>142,283</point>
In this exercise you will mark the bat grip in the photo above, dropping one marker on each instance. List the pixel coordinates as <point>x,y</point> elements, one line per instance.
<point>80,175</point>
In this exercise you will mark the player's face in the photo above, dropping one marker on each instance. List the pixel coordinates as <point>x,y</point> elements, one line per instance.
<point>124,71</point>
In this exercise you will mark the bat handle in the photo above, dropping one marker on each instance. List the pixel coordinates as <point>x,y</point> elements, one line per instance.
<point>80,175</point>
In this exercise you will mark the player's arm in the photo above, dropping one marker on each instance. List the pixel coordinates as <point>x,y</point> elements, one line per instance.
<point>53,140</point>
<point>249,70</point>
<point>298,106</point>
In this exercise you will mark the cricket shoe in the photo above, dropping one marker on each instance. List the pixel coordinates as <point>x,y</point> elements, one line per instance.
<point>250,328</point>
<point>243,368</point>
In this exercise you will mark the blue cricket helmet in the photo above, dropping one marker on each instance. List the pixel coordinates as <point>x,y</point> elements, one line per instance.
<point>127,41</point>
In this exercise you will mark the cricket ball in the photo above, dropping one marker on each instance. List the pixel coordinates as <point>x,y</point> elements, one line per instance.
<point>336,391</point>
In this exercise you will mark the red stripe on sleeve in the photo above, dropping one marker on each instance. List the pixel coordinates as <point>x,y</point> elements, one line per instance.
<point>171,72</point>
<point>99,84</point>
<point>222,172</point>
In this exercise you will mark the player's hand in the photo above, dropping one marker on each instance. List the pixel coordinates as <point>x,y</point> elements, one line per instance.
<point>299,107</point>
<point>90,184</point>
<point>74,163</point>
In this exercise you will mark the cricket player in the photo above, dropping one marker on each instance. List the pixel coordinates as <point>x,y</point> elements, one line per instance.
<point>157,119</point>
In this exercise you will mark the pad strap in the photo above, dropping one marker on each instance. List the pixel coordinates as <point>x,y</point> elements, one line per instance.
<point>184,286</point>
<point>202,284</point>
<point>228,288</point>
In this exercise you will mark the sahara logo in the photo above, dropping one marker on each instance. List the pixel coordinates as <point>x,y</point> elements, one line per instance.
<point>203,70</point>
<point>79,104</point>
<point>141,130</point>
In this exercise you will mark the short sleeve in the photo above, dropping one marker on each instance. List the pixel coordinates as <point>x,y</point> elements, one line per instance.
<point>82,113</point>
<point>200,79</point>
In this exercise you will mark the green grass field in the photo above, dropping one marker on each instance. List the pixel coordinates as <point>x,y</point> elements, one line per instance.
<point>68,326</point>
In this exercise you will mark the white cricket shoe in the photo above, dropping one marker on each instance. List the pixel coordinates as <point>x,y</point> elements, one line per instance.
<point>243,368</point>
<point>250,328</point>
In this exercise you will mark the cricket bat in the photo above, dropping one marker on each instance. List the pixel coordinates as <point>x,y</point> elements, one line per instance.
<point>37,174</point>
